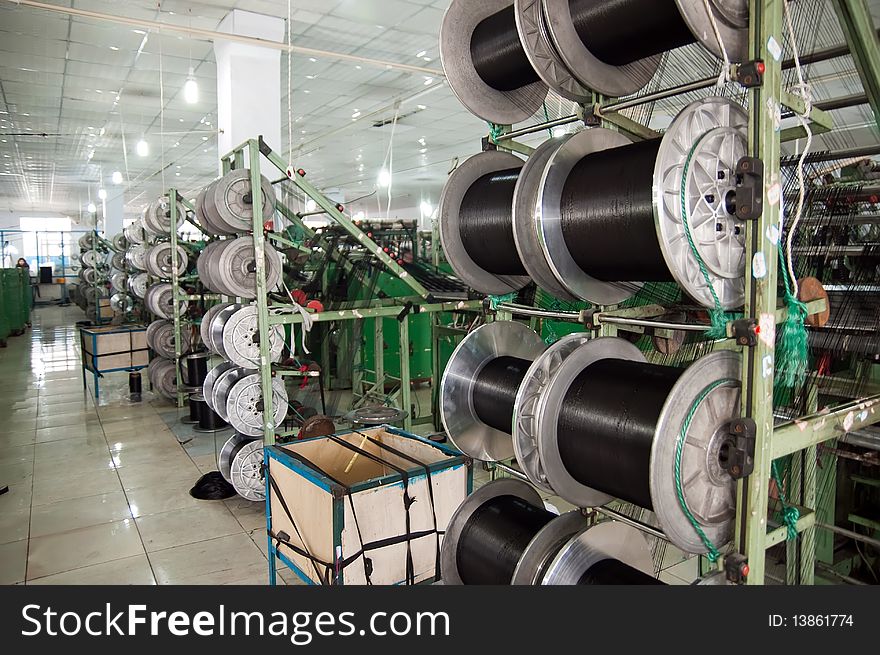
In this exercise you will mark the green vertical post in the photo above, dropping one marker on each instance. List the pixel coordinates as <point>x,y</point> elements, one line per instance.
<point>405,382</point>
<point>379,353</point>
<point>262,297</point>
<point>766,38</point>
<point>807,541</point>
<point>175,293</point>
<point>436,373</point>
<point>325,341</point>
<point>795,492</point>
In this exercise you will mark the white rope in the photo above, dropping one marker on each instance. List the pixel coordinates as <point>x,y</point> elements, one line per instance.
<point>289,90</point>
<point>804,91</point>
<point>724,76</point>
<point>307,322</point>
<point>388,162</point>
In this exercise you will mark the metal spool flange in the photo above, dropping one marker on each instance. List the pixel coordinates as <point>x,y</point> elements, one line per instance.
<point>709,491</point>
<point>203,218</point>
<point>541,52</point>
<point>525,225</point>
<point>158,260</point>
<point>375,415</point>
<point>545,546</point>
<point>709,137</point>
<point>500,107</point>
<point>136,257</point>
<point>89,258</point>
<point>244,404</point>
<point>227,452</point>
<point>495,489</point>
<point>89,276</point>
<point>222,386</point>
<point>157,217</point>
<point>86,240</point>
<point>615,81</point>
<point>205,326</point>
<point>548,216</point>
<point>469,434</point>
<point>216,327</point>
<point>609,540</point>
<point>241,338</point>
<point>163,376</point>
<point>159,299</point>
<point>134,233</point>
<point>548,407</point>
<point>525,418</point>
<point>236,268</point>
<point>121,303</point>
<point>118,261</point>
<point>119,281</point>
<point>137,284</point>
<point>120,243</point>
<point>451,198</point>
<point>246,471</point>
<point>203,264</point>
<point>211,380</point>
<point>229,205</point>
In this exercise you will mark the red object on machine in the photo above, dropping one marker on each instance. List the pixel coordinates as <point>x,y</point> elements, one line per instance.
<point>299,296</point>
<point>317,305</point>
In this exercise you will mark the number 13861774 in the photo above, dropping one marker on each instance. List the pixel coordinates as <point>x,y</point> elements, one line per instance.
<point>810,621</point>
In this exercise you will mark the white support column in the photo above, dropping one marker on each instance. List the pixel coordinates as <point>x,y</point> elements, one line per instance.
<point>249,82</point>
<point>114,210</point>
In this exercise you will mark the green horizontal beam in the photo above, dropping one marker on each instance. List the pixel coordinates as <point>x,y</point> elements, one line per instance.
<point>812,430</point>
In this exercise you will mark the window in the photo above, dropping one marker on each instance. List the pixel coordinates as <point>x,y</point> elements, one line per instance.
<point>46,241</point>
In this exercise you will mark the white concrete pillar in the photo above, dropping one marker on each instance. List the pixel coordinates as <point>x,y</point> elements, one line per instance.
<point>249,82</point>
<point>113,210</point>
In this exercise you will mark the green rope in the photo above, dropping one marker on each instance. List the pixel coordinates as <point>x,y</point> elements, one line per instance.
<point>712,552</point>
<point>719,318</point>
<point>547,118</point>
<point>790,513</point>
<point>494,132</point>
<point>494,301</point>
<point>792,347</point>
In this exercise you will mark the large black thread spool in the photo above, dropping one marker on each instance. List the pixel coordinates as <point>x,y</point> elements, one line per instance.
<point>607,212</point>
<point>607,423</point>
<point>196,368</point>
<point>495,390</point>
<point>487,223</point>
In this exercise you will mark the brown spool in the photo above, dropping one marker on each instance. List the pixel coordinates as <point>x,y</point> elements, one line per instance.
<point>317,426</point>
<point>809,289</point>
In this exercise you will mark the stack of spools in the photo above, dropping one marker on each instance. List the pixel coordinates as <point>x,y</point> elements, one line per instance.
<point>93,274</point>
<point>121,299</point>
<point>232,392</point>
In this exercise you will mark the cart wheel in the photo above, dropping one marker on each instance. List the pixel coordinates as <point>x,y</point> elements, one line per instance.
<point>2,343</point>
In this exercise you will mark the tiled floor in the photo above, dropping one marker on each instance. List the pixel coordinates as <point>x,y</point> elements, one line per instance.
<point>99,492</point>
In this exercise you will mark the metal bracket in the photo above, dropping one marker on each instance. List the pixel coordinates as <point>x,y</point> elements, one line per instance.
<point>488,144</point>
<point>736,568</point>
<point>749,188</point>
<point>750,74</point>
<point>745,332</point>
<point>738,449</point>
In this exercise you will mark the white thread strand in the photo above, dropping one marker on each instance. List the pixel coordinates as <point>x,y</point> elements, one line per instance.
<point>724,76</point>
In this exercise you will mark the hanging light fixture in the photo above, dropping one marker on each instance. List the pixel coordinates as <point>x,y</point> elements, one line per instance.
<point>384,178</point>
<point>142,148</point>
<point>116,178</point>
<point>102,194</point>
<point>92,208</point>
<point>191,89</point>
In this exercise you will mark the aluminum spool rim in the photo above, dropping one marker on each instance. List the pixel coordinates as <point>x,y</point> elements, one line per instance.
<point>700,469</point>
<point>159,260</point>
<point>216,327</point>
<point>545,545</point>
<point>120,243</point>
<point>164,379</point>
<point>534,36</point>
<point>525,226</point>
<point>223,385</point>
<point>525,421</point>
<point>240,336</point>
<point>205,326</point>
<point>134,233</point>
<point>732,19</point>
<point>203,217</point>
<point>137,256</point>
<point>234,260</point>
<point>85,241</point>
<point>469,434</point>
<point>714,130</point>
<point>227,207</point>
<point>89,258</point>
<point>119,281</point>
<point>610,539</point>
<point>118,261</point>
<point>160,300</point>
<point>458,184</point>
<point>89,276</point>
<point>548,216</point>
<point>589,70</point>
<point>375,415</point>
<point>549,406</point>
<point>244,399</point>
<point>246,471</point>
<point>137,284</point>
<point>500,107</point>
<point>211,380</point>
<point>121,303</point>
<point>224,459</point>
<point>494,489</point>
<point>204,265</point>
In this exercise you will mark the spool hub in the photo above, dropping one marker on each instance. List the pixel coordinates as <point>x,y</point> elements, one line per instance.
<point>229,204</point>
<point>454,191</point>
<point>469,434</point>
<point>703,144</point>
<point>525,417</point>
<point>548,216</point>
<point>500,107</point>
<point>525,197</point>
